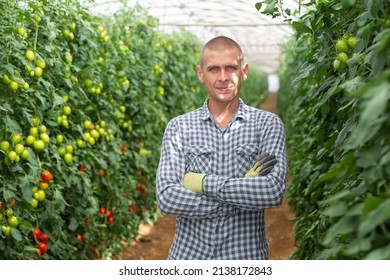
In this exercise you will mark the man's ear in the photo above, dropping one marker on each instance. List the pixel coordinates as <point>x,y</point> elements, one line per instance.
<point>245,70</point>
<point>200,73</point>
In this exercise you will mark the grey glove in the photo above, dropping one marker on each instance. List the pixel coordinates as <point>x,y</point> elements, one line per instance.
<point>263,165</point>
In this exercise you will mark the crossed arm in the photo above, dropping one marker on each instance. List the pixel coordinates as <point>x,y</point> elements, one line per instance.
<point>222,195</point>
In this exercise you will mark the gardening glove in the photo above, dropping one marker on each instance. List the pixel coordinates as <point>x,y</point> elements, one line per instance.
<point>262,166</point>
<point>194,181</point>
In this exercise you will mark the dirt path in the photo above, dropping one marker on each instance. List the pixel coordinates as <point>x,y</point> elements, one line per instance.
<point>153,242</point>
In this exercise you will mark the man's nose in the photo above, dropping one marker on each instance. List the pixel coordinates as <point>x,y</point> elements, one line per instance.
<point>223,75</point>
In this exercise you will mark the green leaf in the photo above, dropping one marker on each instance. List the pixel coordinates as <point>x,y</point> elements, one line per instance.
<point>15,233</point>
<point>382,253</point>
<point>368,156</point>
<point>346,224</point>
<point>337,209</point>
<point>375,218</point>
<point>374,6</point>
<point>301,28</point>
<point>372,110</point>
<point>370,203</point>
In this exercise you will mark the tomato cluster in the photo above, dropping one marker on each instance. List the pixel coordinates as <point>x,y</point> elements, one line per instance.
<point>41,239</point>
<point>344,46</point>
<point>109,214</point>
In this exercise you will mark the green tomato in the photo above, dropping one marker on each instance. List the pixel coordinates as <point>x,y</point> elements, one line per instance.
<point>4,146</point>
<point>68,57</point>
<point>12,155</point>
<point>61,151</point>
<point>34,131</point>
<point>65,123</point>
<point>87,136</point>
<point>14,85</point>
<point>35,121</point>
<point>95,134</point>
<point>68,158</point>
<point>16,138</point>
<point>39,145</point>
<point>38,71</point>
<point>59,138</point>
<point>66,110</point>
<point>80,143</point>
<point>352,40</point>
<point>6,79</point>
<point>25,154</point>
<point>6,230</point>
<point>9,212</point>
<point>342,45</point>
<point>30,140</point>
<point>43,128</point>
<point>7,161</point>
<point>26,86</point>
<point>19,148</point>
<point>13,221</point>
<point>34,203</point>
<point>30,55</point>
<point>44,137</point>
<point>41,64</point>
<point>87,124</point>
<point>343,57</point>
<point>69,148</point>
<point>40,195</point>
<point>21,31</point>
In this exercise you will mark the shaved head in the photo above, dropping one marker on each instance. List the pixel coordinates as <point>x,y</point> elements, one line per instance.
<point>221,43</point>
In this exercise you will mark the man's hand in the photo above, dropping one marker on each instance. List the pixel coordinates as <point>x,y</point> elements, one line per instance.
<point>262,166</point>
<point>194,181</point>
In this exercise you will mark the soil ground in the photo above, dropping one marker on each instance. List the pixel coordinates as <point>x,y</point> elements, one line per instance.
<point>153,242</point>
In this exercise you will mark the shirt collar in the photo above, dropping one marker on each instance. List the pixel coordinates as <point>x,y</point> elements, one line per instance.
<point>241,113</point>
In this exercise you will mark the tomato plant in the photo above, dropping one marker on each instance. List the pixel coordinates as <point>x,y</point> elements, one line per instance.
<point>77,88</point>
<point>337,125</point>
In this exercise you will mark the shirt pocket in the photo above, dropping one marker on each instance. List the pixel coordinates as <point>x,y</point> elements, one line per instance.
<point>245,158</point>
<point>198,159</point>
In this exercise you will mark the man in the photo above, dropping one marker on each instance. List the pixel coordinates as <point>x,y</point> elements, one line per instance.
<point>221,165</point>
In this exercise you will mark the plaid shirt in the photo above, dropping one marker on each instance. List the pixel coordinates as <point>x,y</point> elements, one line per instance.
<point>227,220</point>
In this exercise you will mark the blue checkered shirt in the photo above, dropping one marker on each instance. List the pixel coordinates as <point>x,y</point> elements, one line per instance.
<point>227,220</point>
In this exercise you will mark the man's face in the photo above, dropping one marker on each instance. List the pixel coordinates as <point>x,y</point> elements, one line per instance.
<point>222,74</point>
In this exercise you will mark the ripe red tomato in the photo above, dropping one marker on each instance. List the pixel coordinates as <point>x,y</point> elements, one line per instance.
<point>37,233</point>
<point>110,219</point>
<point>109,213</point>
<point>82,167</point>
<point>44,238</point>
<point>42,247</point>
<point>46,176</point>
<point>102,210</point>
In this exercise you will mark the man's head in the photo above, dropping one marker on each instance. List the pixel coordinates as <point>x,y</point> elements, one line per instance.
<point>222,69</point>
<point>221,43</point>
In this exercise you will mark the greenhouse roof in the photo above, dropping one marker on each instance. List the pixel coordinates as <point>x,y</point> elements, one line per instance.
<point>260,36</point>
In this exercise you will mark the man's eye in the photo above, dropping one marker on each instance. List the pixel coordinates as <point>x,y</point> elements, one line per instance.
<point>213,69</point>
<point>231,68</point>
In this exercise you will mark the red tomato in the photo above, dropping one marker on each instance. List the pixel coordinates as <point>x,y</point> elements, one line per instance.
<point>37,233</point>
<point>110,219</point>
<point>82,167</point>
<point>109,214</point>
<point>44,238</point>
<point>42,247</point>
<point>46,176</point>
<point>102,210</point>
